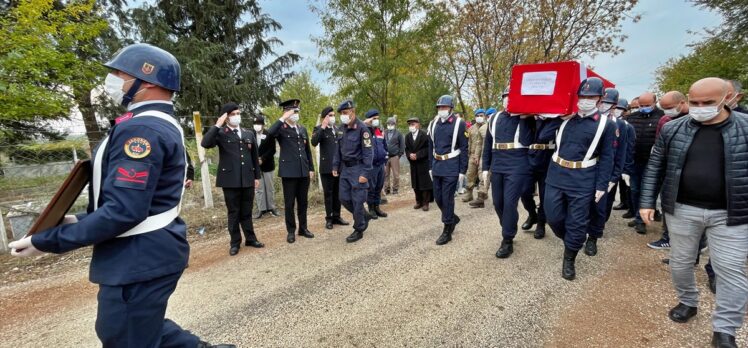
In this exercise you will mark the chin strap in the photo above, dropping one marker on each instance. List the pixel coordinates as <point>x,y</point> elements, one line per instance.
<point>127,99</point>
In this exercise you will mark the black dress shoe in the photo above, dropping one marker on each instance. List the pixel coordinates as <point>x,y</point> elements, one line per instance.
<point>723,340</point>
<point>202,344</point>
<point>328,224</point>
<point>290,238</point>
<point>372,214</point>
<point>568,271</point>
<point>505,250</point>
<point>379,212</point>
<point>234,250</point>
<point>539,231</point>
<point>305,233</point>
<point>640,228</point>
<point>340,221</point>
<point>446,235</point>
<point>682,313</point>
<point>590,247</point>
<point>628,215</point>
<point>531,221</point>
<point>254,244</point>
<point>274,212</point>
<point>621,207</point>
<point>631,223</point>
<point>355,236</point>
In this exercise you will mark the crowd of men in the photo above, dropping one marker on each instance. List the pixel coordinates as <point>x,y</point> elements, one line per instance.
<point>690,151</point>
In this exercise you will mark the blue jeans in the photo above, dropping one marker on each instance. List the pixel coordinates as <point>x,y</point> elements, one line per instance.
<point>636,189</point>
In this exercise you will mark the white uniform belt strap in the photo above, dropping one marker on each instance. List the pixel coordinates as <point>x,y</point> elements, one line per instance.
<point>455,133</point>
<point>154,222</point>
<point>593,145</point>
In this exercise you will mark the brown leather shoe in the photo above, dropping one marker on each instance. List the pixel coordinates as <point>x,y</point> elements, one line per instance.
<point>418,206</point>
<point>425,207</point>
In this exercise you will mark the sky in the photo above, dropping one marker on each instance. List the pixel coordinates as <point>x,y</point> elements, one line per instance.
<point>665,30</point>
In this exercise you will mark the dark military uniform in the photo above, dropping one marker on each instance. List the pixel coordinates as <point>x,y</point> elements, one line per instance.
<point>448,163</point>
<point>327,140</point>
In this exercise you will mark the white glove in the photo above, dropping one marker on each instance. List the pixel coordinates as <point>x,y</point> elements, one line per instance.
<point>461,178</point>
<point>431,175</point>
<point>484,176</point>
<point>599,195</point>
<point>69,219</point>
<point>610,186</point>
<point>627,179</point>
<point>24,248</point>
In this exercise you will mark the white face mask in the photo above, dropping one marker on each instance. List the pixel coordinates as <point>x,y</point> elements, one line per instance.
<point>390,127</point>
<point>586,106</point>
<point>633,110</point>
<point>257,127</point>
<point>294,118</point>
<point>375,123</point>
<point>235,120</point>
<point>670,112</point>
<point>617,113</point>
<point>443,114</point>
<point>479,119</point>
<point>605,107</point>
<point>705,113</point>
<point>413,129</point>
<point>345,118</point>
<point>331,120</point>
<point>113,87</point>
<point>505,102</point>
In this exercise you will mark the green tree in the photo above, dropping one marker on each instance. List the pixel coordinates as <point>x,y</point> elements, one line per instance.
<point>735,13</point>
<point>39,69</point>
<point>221,46</point>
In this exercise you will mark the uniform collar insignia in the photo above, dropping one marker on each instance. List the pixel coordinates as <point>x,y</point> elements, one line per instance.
<point>126,116</point>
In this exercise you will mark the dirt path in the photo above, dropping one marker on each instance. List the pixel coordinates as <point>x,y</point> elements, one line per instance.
<point>393,288</point>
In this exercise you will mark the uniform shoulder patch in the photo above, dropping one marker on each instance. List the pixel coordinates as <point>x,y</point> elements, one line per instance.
<point>137,147</point>
<point>132,174</point>
<point>367,135</point>
<point>618,133</point>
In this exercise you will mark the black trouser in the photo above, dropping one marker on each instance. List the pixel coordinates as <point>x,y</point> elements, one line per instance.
<point>528,201</point>
<point>424,196</point>
<point>625,194</point>
<point>239,204</point>
<point>295,190</point>
<point>331,188</point>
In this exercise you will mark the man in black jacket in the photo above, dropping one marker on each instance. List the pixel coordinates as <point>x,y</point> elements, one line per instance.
<point>645,124</point>
<point>699,163</point>
<point>265,193</point>
<point>296,168</point>
<point>238,173</point>
<point>326,136</point>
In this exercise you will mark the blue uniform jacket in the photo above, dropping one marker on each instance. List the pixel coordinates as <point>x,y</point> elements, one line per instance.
<point>545,133</point>
<point>620,145</point>
<point>628,167</point>
<point>442,145</point>
<point>577,138</point>
<point>125,200</point>
<point>354,148</point>
<point>512,161</point>
<point>380,148</point>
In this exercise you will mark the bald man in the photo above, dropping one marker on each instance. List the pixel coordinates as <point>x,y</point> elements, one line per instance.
<point>645,126</point>
<point>704,191</point>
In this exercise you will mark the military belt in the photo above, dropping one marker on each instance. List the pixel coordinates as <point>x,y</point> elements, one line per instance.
<point>550,146</point>
<point>574,164</point>
<point>508,146</point>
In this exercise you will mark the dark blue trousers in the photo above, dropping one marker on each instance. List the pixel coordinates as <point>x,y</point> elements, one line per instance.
<point>598,216</point>
<point>132,315</point>
<point>609,200</point>
<point>528,201</point>
<point>376,183</point>
<point>568,213</point>
<point>506,189</point>
<point>353,195</point>
<point>636,189</point>
<point>444,195</point>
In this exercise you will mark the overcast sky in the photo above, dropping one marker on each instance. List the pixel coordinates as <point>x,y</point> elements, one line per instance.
<point>662,33</point>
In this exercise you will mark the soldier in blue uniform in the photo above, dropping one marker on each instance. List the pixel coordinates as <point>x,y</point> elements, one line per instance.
<point>539,155</point>
<point>139,242</point>
<point>505,156</point>
<point>449,162</point>
<point>353,162</point>
<point>376,175</point>
<point>600,210</point>
<point>580,171</point>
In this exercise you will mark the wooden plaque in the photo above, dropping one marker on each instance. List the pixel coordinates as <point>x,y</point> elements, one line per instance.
<point>64,199</point>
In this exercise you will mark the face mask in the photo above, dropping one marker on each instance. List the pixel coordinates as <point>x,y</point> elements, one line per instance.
<point>633,110</point>
<point>345,118</point>
<point>375,123</point>
<point>705,113</point>
<point>617,113</point>
<point>412,129</point>
<point>646,110</point>
<point>605,107</point>
<point>479,119</point>
<point>391,127</point>
<point>671,112</point>
<point>732,103</point>
<point>443,114</point>
<point>257,127</point>
<point>294,118</point>
<point>586,106</point>
<point>331,120</point>
<point>505,102</point>
<point>113,87</point>
<point>235,120</point>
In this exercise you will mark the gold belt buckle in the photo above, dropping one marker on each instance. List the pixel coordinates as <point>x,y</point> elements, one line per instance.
<point>537,147</point>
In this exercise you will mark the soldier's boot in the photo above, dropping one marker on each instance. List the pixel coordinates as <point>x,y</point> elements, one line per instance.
<point>355,236</point>
<point>568,271</point>
<point>468,196</point>
<point>539,231</point>
<point>506,249</point>
<point>590,247</point>
<point>532,219</point>
<point>446,235</point>
<point>372,214</point>
<point>478,203</point>
<point>379,212</point>
<point>456,221</point>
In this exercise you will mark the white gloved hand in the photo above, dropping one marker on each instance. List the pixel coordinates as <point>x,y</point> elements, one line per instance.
<point>627,179</point>
<point>24,248</point>
<point>69,219</point>
<point>599,195</point>
<point>484,175</point>
<point>431,175</point>
<point>611,185</point>
<point>461,178</point>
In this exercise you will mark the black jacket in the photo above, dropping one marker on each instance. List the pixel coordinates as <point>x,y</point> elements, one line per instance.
<point>238,164</point>
<point>645,126</point>
<point>665,166</point>
<point>327,139</point>
<point>295,151</point>
<point>266,151</point>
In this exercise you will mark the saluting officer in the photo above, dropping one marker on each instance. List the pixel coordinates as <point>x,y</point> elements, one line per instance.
<point>505,156</point>
<point>352,162</point>
<point>449,162</point>
<point>139,242</point>
<point>325,135</point>
<point>296,168</point>
<point>475,146</point>
<point>238,173</point>
<point>580,171</point>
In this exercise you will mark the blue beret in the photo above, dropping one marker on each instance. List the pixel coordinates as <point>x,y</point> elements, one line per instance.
<point>348,104</point>
<point>371,113</point>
